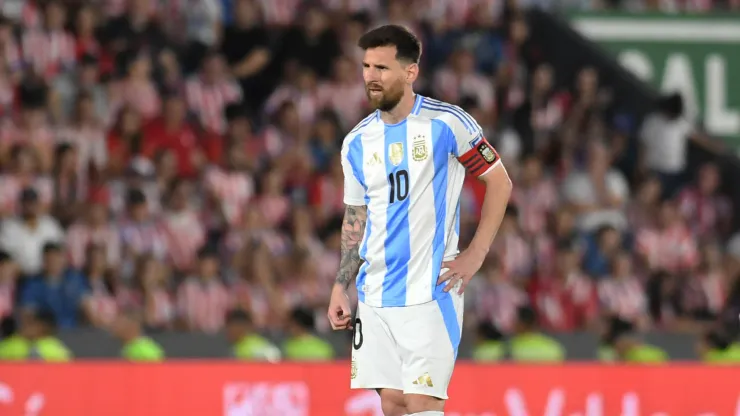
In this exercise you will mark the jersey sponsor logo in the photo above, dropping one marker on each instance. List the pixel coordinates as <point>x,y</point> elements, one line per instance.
<point>423,380</point>
<point>374,160</point>
<point>485,150</point>
<point>395,153</point>
<point>420,152</point>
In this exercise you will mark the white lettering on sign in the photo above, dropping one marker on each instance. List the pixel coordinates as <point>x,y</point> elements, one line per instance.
<point>719,118</point>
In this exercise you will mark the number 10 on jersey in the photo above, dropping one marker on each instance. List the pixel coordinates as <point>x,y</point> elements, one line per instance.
<point>399,186</point>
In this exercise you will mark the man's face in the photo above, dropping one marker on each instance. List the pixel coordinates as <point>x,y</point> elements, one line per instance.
<point>54,262</point>
<point>30,209</point>
<point>385,77</point>
<point>235,331</point>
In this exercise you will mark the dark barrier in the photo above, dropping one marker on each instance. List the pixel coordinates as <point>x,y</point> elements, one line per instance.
<point>567,51</point>
<point>579,346</point>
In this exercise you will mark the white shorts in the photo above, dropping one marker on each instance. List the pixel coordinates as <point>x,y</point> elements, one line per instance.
<point>411,348</point>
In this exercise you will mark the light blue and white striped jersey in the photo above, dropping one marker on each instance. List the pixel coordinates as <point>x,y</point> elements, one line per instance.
<point>410,176</point>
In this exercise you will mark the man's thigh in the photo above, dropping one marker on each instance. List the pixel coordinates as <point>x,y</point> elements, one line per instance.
<point>376,363</point>
<point>427,337</point>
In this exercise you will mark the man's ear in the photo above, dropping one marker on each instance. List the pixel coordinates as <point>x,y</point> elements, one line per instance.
<point>412,72</point>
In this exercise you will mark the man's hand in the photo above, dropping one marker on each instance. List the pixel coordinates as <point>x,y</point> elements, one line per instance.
<point>340,314</point>
<point>461,269</point>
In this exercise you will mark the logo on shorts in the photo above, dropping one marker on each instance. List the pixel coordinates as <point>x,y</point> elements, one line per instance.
<point>353,370</point>
<point>424,380</point>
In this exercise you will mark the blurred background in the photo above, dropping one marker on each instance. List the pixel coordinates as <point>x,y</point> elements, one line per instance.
<point>170,182</point>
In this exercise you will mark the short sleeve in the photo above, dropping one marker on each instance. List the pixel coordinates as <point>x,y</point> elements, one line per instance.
<point>354,192</point>
<point>618,185</point>
<point>472,149</point>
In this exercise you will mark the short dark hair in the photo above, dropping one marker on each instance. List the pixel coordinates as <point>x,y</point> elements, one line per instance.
<point>408,46</point>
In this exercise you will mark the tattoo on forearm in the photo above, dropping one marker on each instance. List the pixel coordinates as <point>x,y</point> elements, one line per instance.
<point>353,229</point>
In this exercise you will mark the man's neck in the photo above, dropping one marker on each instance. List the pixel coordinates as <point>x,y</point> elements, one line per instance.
<point>400,111</point>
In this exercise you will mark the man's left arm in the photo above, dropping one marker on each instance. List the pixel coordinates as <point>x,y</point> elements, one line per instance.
<point>498,191</point>
<point>480,159</point>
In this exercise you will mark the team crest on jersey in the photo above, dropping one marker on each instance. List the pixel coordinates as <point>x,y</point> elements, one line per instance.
<point>419,152</point>
<point>395,153</point>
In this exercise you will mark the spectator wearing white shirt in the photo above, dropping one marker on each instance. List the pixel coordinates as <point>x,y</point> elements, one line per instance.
<point>24,237</point>
<point>664,137</point>
<point>597,193</point>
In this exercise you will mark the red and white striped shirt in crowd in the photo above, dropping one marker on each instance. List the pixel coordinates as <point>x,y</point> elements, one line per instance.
<point>185,236</point>
<point>623,297</point>
<point>232,190</point>
<point>80,236</point>
<point>498,302</point>
<point>535,203</point>
<point>275,242</point>
<point>307,103</point>
<point>141,96</point>
<point>515,254</point>
<point>203,304</point>
<point>11,133</point>
<point>146,237</point>
<point>704,292</point>
<point>274,208</point>
<point>157,305</point>
<point>7,297</point>
<point>49,53</point>
<point>703,213</point>
<point>348,101</point>
<point>544,249</point>
<point>208,101</point>
<point>253,298</point>
<point>564,304</point>
<point>671,249</point>
<point>279,12</point>
<point>452,87</point>
<point>12,185</point>
<point>371,7</point>
<point>102,302</point>
<point>91,145</point>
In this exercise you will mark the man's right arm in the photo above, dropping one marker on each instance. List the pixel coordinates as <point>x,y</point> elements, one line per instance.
<point>353,229</point>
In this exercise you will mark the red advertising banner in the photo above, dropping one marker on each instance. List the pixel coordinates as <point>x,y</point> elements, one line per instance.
<point>201,388</point>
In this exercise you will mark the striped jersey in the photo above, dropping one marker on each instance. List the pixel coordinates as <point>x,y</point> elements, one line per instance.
<point>410,176</point>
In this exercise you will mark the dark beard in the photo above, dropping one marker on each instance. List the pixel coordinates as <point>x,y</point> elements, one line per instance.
<point>387,102</point>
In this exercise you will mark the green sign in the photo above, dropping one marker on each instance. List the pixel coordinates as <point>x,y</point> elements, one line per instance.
<point>698,56</point>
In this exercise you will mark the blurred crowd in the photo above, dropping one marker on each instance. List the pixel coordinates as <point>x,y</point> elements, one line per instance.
<point>179,159</point>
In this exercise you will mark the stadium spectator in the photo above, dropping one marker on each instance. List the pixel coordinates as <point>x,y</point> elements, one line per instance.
<point>202,299</point>
<point>529,345</point>
<point>303,344</point>
<point>58,289</point>
<point>489,344</point>
<point>246,343</point>
<point>24,237</point>
<point>136,346</point>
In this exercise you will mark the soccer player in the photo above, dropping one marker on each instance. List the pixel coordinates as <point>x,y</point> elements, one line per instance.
<point>404,167</point>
